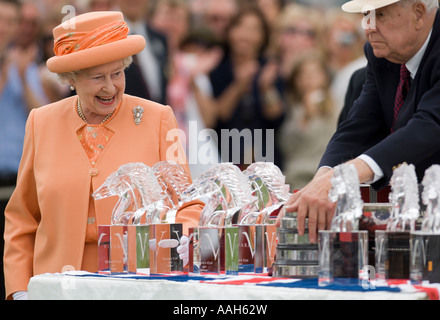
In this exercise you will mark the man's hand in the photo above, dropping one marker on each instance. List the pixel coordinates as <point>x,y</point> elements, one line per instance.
<point>312,202</point>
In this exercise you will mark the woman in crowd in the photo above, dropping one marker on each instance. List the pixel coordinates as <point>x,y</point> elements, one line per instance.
<point>297,32</point>
<point>193,54</point>
<point>247,90</point>
<point>73,145</point>
<point>310,120</point>
<point>344,42</point>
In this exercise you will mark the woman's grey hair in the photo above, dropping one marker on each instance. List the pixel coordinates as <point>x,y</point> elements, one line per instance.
<point>66,77</point>
<point>430,4</point>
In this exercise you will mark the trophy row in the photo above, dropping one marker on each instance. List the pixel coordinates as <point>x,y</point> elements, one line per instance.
<point>235,231</point>
<point>407,247</point>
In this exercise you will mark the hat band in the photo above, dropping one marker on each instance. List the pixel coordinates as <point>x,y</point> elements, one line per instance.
<point>76,41</point>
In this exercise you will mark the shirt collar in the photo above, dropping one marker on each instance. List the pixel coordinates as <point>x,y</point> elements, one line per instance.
<point>413,64</point>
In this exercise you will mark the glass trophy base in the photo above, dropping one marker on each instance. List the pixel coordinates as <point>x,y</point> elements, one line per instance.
<point>342,255</point>
<point>230,250</point>
<point>139,249</point>
<point>375,217</point>
<point>123,249</point>
<point>213,250</point>
<point>424,257</point>
<point>257,246</point>
<point>164,241</point>
<point>392,254</point>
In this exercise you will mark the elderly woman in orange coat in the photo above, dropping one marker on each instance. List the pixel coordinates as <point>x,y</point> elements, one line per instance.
<point>73,145</point>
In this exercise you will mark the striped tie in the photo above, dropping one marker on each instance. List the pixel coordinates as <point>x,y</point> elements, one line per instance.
<point>402,91</point>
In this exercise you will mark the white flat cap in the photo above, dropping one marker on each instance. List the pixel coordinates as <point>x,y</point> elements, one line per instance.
<point>358,6</point>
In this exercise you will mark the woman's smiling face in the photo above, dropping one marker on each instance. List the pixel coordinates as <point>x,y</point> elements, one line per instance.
<point>100,89</point>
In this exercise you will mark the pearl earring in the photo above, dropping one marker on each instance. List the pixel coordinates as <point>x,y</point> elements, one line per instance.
<point>72,88</point>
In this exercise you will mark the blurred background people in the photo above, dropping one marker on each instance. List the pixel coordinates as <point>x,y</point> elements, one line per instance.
<point>20,85</point>
<point>271,10</point>
<point>53,87</point>
<point>25,54</point>
<point>344,42</point>
<point>12,136</point>
<point>322,5</point>
<point>310,121</point>
<point>218,16</point>
<point>101,5</point>
<point>298,31</point>
<point>172,18</point>
<point>247,90</point>
<point>191,59</point>
<point>147,77</point>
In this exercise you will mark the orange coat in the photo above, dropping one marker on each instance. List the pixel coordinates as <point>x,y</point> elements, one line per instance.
<point>46,218</point>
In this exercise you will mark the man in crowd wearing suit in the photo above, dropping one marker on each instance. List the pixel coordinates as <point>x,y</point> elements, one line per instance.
<point>147,76</point>
<point>396,119</point>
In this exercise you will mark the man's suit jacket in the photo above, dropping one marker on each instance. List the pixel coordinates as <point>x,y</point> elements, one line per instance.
<point>46,218</point>
<point>416,138</point>
<point>136,84</point>
<point>354,90</point>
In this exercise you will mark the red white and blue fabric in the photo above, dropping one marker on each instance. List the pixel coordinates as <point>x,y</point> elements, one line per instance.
<point>340,284</point>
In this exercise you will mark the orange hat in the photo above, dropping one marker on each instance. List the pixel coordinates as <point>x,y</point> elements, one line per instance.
<point>92,39</point>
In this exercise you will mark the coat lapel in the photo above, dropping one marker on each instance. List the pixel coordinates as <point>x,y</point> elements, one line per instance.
<point>410,105</point>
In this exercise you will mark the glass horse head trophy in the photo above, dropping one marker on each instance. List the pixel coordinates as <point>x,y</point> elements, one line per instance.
<point>404,197</point>
<point>151,192</point>
<point>173,180</point>
<point>346,192</point>
<point>138,190</point>
<point>268,186</point>
<point>225,190</point>
<point>431,198</point>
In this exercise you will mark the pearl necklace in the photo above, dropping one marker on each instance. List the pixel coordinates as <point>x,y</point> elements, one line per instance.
<point>83,118</point>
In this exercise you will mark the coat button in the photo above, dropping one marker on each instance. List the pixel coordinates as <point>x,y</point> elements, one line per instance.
<point>93,172</point>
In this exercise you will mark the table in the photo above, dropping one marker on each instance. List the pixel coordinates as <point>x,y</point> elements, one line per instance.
<point>78,285</point>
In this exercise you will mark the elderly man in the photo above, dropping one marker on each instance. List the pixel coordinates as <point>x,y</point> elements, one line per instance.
<point>397,116</point>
